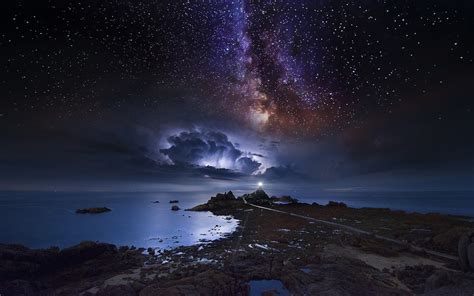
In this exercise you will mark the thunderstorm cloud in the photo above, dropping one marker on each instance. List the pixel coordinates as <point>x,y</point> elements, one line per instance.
<point>209,149</point>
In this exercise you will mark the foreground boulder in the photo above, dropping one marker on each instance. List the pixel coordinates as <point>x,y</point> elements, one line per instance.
<point>466,251</point>
<point>175,208</point>
<point>438,279</point>
<point>93,210</point>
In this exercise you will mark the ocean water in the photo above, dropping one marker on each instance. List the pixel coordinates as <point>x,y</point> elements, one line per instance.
<point>44,219</point>
<point>258,287</point>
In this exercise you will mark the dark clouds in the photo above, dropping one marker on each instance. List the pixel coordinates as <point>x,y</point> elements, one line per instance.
<point>247,165</point>
<point>286,173</point>
<point>209,149</point>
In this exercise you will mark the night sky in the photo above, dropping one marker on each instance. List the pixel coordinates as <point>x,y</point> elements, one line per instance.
<point>136,94</point>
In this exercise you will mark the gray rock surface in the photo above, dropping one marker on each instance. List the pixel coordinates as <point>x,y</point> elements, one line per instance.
<point>470,255</point>
<point>466,247</point>
<point>437,280</point>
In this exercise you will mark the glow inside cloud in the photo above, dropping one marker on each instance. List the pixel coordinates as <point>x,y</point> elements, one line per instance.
<point>211,148</point>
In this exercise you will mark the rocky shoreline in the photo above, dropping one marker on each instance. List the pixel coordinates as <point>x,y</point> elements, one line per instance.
<point>305,257</point>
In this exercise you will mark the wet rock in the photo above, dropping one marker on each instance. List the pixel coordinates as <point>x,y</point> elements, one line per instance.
<point>174,201</point>
<point>175,208</point>
<point>93,210</point>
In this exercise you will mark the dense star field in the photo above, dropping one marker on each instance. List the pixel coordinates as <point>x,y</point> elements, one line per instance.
<point>228,89</point>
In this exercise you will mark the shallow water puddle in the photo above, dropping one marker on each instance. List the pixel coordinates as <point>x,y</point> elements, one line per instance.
<point>258,287</point>
<point>306,270</point>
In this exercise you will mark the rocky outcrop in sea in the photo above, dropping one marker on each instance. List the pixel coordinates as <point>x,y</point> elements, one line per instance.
<point>93,210</point>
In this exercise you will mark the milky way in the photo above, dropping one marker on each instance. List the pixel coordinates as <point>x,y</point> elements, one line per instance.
<point>292,67</point>
<point>307,67</point>
<point>334,88</point>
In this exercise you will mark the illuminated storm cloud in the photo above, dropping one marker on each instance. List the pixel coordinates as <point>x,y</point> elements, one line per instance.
<point>209,148</point>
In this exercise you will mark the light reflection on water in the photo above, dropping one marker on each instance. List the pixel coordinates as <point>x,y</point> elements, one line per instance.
<point>44,219</point>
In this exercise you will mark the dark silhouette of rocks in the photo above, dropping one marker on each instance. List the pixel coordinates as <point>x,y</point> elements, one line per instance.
<point>258,194</point>
<point>221,201</point>
<point>227,200</point>
<point>156,201</point>
<point>93,210</point>
<point>21,268</point>
<point>258,197</point>
<point>336,204</point>
<point>174,201</point>
<point>175,208</point>
<point>151,251</point>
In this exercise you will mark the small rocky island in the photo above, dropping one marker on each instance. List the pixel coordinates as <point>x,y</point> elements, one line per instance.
<point>306,249</point>
<point>227,201</point>
<point>93,210</point>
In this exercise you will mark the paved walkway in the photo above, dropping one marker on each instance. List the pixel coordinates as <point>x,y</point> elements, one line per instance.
<point>360,231</point>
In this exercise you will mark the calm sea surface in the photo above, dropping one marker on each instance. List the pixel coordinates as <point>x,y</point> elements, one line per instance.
<point>43,219</point>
